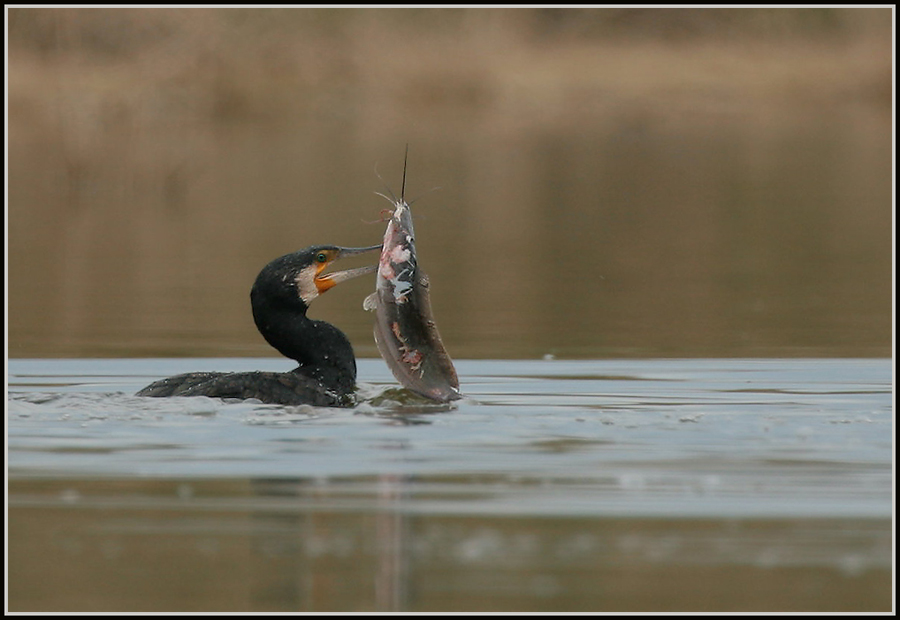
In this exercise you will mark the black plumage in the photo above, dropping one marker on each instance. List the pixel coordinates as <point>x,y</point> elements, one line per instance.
<point>280,297</point>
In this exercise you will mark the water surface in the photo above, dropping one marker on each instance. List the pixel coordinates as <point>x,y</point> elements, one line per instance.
<point>555,485</point>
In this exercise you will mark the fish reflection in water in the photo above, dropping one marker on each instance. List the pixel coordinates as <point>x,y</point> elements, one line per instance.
<point>405,331</point>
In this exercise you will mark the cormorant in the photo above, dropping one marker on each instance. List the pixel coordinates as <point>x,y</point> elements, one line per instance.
<point>280,297</point>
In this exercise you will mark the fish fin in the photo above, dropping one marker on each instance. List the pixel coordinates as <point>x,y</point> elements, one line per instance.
<point>370,303</point>
<point>403,184</point>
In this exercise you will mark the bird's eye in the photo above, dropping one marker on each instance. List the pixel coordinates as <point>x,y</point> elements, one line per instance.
<point>321,257</point>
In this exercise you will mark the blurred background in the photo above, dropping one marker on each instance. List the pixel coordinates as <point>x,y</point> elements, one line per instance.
<point>610,182</point>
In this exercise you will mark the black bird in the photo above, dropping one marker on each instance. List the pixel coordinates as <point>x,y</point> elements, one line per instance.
<point>280,297</point>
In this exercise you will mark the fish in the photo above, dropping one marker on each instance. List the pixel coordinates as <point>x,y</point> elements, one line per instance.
<point>405,331</point>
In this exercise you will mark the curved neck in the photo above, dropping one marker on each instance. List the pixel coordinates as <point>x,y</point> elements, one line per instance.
<point>322,351</point>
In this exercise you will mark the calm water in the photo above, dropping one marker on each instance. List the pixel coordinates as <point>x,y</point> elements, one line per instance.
<point>556,485</point>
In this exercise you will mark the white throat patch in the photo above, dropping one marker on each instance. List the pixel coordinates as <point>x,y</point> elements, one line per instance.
<point>306,284</point>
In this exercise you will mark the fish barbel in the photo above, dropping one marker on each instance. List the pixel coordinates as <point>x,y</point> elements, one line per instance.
<point>405,331</point>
